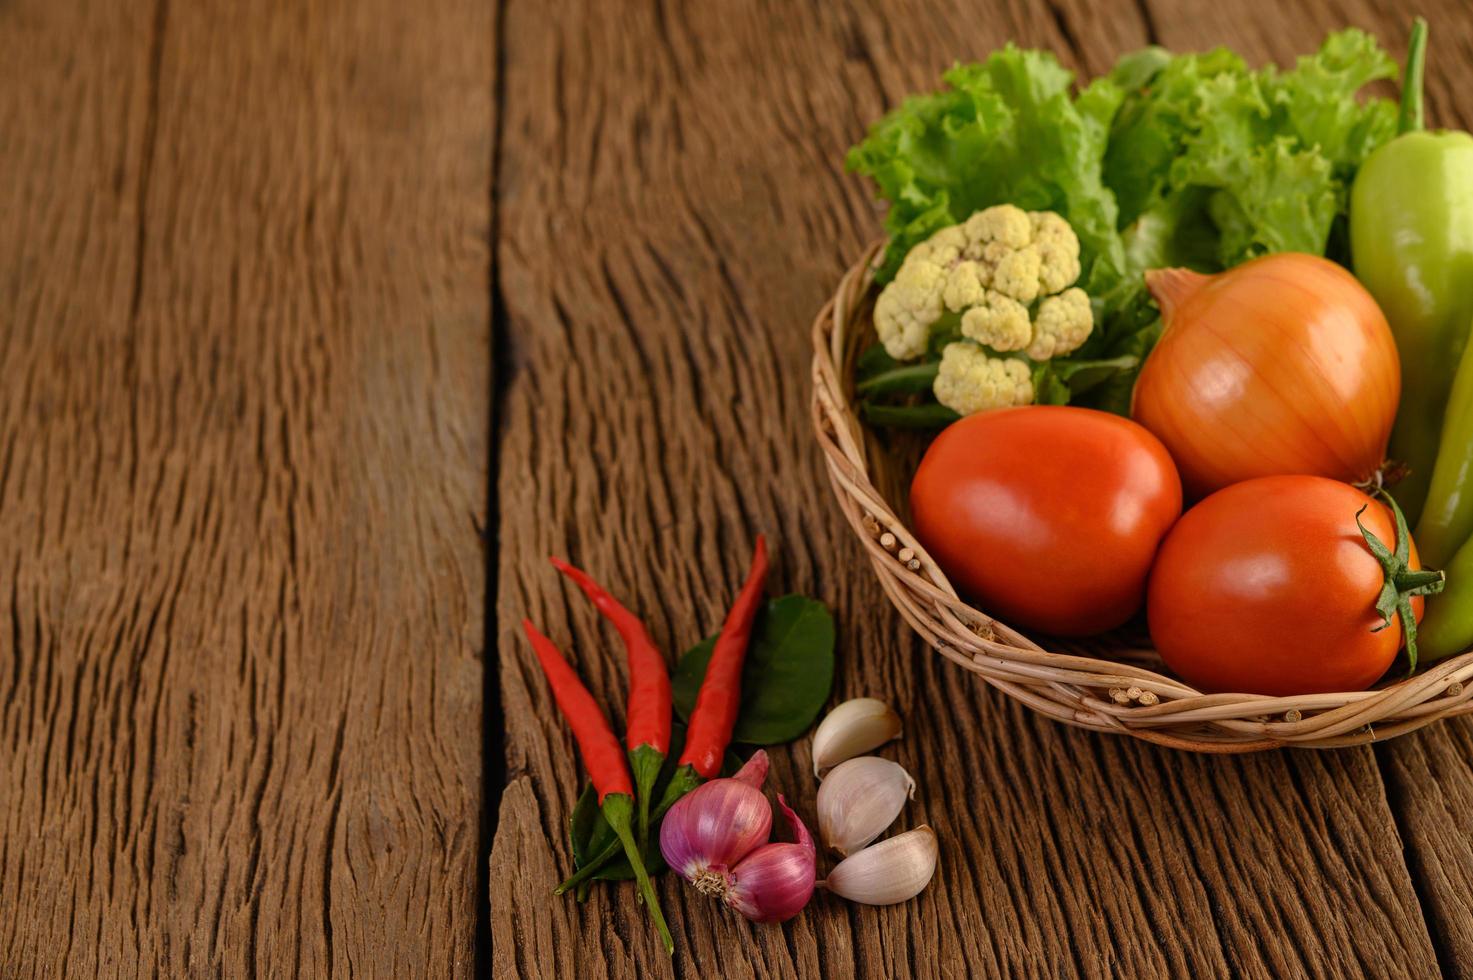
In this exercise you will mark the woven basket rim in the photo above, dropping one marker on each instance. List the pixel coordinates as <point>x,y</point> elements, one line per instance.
<point>1088,692</point>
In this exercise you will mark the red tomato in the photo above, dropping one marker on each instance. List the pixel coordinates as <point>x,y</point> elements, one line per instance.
<point>1049,515</point>
<point>1268,587</point>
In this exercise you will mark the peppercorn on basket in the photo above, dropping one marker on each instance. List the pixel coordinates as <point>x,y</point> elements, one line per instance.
<point>1110,683</point>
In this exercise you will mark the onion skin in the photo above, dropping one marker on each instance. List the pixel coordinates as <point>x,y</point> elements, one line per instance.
<point>1282,365</point>
<point>715,825</point>
<point>775,881</point>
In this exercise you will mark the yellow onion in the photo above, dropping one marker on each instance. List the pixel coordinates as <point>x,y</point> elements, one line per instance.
<point>1281,365</point>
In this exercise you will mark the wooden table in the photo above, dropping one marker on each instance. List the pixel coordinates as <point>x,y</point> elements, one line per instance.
<point>322,324</point>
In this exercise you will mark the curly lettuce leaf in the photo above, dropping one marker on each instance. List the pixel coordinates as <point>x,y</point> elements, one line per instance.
<point>1154,123</point>
<point>1318,100</point>
<point>1273,151</point>
<point>1006,130</point>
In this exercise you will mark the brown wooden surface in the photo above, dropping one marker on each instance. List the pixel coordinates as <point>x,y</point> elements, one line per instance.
<point>249,260</point>
<point>243,435</point>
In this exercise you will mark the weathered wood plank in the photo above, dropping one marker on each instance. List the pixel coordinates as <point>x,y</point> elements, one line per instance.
<point>68,206</point>
<point>673,212</point>
<point>1429,780</point>
<point>243,443</point>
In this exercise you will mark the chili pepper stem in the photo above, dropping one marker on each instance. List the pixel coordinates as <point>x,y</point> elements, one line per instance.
<point>584,875</point>
<point>618,810</point>
<point>645,761</point>
<point>1412,118</point>
<point>683,781</point>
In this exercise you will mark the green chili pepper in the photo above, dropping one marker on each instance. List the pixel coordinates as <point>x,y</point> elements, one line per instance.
<point>1447,517</point>
<point>1447,625</point>
<point>1445,532</point>
<point>1411,234</point>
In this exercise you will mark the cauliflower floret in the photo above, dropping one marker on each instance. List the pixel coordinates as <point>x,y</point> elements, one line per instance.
<point>1016,273</point>
<point>967,285</point>
<point>1005,224</point>
<point>1058,250</point>
<point>944,248</point>
<point>909,307</point>
<point>1062,324</point>
<point>971,380</point>
<point>998,321</point>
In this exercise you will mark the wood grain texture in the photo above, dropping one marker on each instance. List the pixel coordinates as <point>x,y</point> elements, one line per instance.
<point>672,211</point>
<point>1429,780</point>
<point>244,331</point>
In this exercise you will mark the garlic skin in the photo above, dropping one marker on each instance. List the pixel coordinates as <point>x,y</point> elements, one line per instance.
<point>851,729</point>
<point>892,871</point>
<point>859,800</point>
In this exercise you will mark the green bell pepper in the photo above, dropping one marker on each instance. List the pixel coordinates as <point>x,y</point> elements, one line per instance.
<point>1411,237</point>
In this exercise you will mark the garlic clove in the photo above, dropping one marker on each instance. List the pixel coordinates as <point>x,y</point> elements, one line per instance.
<point>851,729</point>
<point>892,871</point>
<point>859,800</point>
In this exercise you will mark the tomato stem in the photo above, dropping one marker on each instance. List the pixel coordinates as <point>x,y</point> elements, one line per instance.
<point>1402,582</point>
<point>1411,580</point>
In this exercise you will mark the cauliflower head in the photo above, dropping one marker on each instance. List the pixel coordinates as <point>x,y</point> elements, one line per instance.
<point>1007,277</point>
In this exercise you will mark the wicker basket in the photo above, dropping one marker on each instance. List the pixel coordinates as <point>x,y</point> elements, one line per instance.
<point>1109,684</point>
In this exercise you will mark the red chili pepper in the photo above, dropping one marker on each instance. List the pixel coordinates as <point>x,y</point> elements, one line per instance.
<point>647,712</point>
<point>715,713</point>
<point>603,759</point>
<point>601,753</point>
